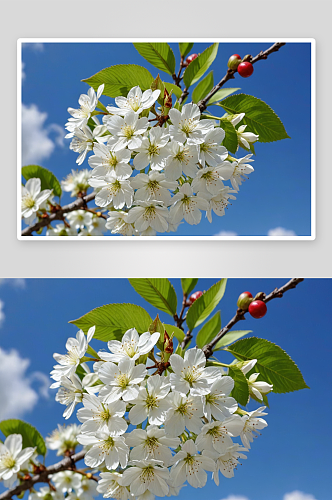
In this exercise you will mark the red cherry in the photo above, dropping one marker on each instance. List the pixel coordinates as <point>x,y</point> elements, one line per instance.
<point>234,61</point>
<point>245,69</point>
<point>257,309</point>
<point>190,58</point>
<point>195,296</point>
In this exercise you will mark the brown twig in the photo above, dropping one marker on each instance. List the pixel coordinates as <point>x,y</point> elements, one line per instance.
<point>277,292</point>
<point>67,463</point>
<point>230,75</point>
<point>80,203</point>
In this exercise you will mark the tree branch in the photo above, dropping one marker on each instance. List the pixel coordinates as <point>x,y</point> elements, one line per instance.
<point>59,214</point>
<point>277,292</point>
<point>67,463</point>
<point>230,74</point>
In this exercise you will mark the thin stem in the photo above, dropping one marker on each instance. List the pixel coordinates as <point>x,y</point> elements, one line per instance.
<point>276,293</point>
<point>230,74</point>
<point>80,203</point>
<point>67,463</point>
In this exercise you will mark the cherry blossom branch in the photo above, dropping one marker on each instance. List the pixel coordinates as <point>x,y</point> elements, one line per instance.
<point>230,74</point>
<point>276,293</point>
<point>67,463</point>
<point>80,203</point>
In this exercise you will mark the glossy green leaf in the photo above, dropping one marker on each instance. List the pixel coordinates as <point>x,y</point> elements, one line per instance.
<point>230,140</point>
<point>47,178</point>
<point>113,320</point>
<point>204,305</point>
<point>209,330</point>
<point>157,291</point>
<point>196,69</point>
<point>203,88</point>
<point>240,391</point>
<point>178,333</point>
<point>260,118</point>
<point>119,79</point>
<point>185,48</point>
<point>274,365</point>
<point>159,55</point>
<point>174,88</point>
<point>231,337</point>
<point>188,284</point>
<point>220,94</point>
<point>30,436</point>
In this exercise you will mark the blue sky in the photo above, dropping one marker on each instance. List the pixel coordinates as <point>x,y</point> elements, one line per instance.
<point>292,453</point>
<point>277,195</point>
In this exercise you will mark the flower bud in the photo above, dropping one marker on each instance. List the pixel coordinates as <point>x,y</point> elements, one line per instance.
<point>244,300</point>
<point>234,61</point>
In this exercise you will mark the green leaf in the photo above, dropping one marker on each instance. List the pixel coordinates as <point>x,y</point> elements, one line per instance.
<point>203,87</point>
<point>174,88</point>
<point>196,69</point>
<point>273,363</point>
<point>204,305</point>
<point>220,94</point>
<point>185,48</point>
<point>178,333</point>
<point>230,141</point>
<point>48,179</point>
<point>157,84</point>
<point>31,437</point>
<point>209,330</point>
<point>157,291</point>
<point>260,118</point>
<point>159,55</point>
<point>188,284</point>
<point>113,320</point>
<point>231,337</point>
<point>119,79</point>
<point>240,391</point>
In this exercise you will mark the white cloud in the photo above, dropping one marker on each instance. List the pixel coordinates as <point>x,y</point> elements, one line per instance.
<point>37,47</point>
<point>15,282</point>
<point>235,497</point>
<point>226,233</point>
<point>298,495</point>
<point>17,395</point>
<point>281,231</point>
<point>2,314</point>
<point>37,145</point>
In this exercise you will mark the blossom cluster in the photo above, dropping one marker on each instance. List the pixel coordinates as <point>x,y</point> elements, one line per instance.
<point>149,434</point>
<point>152,177</point>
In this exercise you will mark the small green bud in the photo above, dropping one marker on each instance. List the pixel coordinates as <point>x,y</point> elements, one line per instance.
<point>244,301</point>
<point>234,61</point>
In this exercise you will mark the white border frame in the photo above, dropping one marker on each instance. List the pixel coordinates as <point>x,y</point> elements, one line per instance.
<point>312,41</point>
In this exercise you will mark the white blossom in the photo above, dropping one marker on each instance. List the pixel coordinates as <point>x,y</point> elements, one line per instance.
<point>76,182</point>
<point>109,449</point>
<point>252,424</point>
<point>236,171</point>
<point>227,462</point>
<point>110,485</point>
<point>246,138</point>
<point>218,434</point>
<point>121,381</point>
<point>117,223</point>
<point>151,402</point>
<point>190,466</point>
<point>187,126</point>
<point>32,198</point>
<point>187,205</point>
<point>87,489</point>
<point>131,346</point>
<point>63,438</point>
<point>152,150</point>
<point>217,403</point>
<point>184,412</point>
<point>183,158</point>
<point>147,475</point>
<point>208,181</point>
<point>258,389</point>
<point>115,190</point>
<point>190,373</point>
<point>71,391</point>
<point>106,160</point>
<point>153,186</point>
<point>12,458</point>
<point>79,219</point>
<point>84,139</point>
<point>135,101</point>
<point>88,103</point>
<point>151,443</point>
<point>97,416</point>
<point>149,214</point>
<point>218,203</point>
<point>66,481</point>
<point>127,131</point>
<point>211,151</point>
